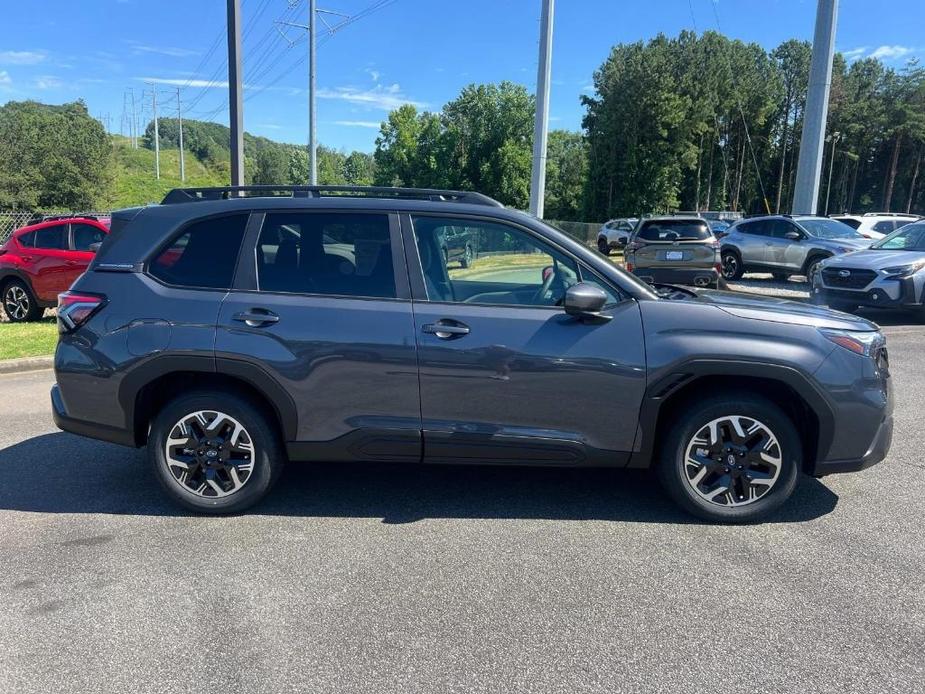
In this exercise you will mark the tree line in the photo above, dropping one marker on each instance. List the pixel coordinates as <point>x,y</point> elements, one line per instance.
<point>689,122</point>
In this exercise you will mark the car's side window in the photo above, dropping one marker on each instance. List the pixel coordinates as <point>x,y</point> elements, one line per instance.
<point>752,228</point>
<point>510,266</point>
<point>779,229</point>
<point>51,238</point>
<point>331,253</point>
<point>85,235</point>
<point>27,240</point>
<point>885,227</point>
<point>204,255</point>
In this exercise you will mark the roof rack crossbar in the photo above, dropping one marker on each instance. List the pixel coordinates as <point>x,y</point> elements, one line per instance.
<point>181,195</point>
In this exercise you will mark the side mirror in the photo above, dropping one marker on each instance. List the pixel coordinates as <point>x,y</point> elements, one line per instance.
<point>94,247</point>
<point>585,301</point>
<point>793,236</point>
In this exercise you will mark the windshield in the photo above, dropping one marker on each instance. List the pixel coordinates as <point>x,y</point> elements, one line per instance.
<point>908,238</point>
<point>829,229</point>
<point>664,230</point>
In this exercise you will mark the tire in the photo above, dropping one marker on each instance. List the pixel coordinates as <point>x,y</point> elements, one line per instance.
<point>603,246</point>
<point>676,474</point>
<point>732,266</point>
<point>812,266</point>
<point>266,457</point>
<point>466,259</point>
<point>19,302</point>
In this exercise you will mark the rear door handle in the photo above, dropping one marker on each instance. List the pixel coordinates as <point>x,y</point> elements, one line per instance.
<point>256,317</point>
<point>446,329</point>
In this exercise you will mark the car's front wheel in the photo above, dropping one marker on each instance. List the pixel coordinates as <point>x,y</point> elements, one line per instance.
<point>467,257</point>
<point>19,302</point>
<point>603,246</point>
<point>732,458</point>
<point>215,451</point>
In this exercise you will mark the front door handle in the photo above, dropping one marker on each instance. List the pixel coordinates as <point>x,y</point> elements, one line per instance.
<point>446,329</point>
<point>256,317</point>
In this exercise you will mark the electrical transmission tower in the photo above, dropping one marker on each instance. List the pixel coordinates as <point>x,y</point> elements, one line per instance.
<point>314,14</point>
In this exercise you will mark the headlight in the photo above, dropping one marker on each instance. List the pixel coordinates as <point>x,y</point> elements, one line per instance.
<point>903,270</point>
<point>865,343</point>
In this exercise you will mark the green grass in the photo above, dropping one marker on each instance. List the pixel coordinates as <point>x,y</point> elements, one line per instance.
<point>28,339</point>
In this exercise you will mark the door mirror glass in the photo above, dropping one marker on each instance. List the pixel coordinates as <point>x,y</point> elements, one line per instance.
<point>584,300</point>
<point>793,236</point>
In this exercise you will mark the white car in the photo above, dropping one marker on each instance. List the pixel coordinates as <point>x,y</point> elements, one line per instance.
<point>876,225</point>
<point>615,234</point>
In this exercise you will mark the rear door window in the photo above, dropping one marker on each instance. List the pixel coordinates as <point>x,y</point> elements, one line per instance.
<point>85,235</point>
<point>671,230</point>
<point>52,238</point>
<point>204,255</point>
<point>332,253</point>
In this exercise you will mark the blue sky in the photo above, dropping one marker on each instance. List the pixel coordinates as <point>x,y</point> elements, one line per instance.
<point>406,51</point>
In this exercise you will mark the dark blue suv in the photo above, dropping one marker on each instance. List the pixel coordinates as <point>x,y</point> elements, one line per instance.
<point>233,329</point>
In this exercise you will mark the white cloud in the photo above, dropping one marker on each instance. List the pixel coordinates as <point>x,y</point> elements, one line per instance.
<point>171,51</point>
<point>373,74</point>
<point>892,52</point>
<point>47,82</point>
<point>359,123</point>
<point>381,97</point>
<point>855,53</point>
<point>22,57</point>
<point>5,79</point>
<point>180,82</point>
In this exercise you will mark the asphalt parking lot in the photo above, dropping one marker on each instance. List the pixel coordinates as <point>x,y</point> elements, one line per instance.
<point>386,578</point>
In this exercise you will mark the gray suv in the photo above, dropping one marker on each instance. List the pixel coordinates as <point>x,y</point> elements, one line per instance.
<point>231,330</point>
<point>785,245</point>
<point>674,250</point>
<point>891,274</point>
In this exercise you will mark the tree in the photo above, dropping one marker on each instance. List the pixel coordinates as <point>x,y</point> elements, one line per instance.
<point>272,166</point>
<point>566,170</point>
<point>359,169</point>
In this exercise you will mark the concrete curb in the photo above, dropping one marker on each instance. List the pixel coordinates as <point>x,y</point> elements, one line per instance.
<point>12,366</point>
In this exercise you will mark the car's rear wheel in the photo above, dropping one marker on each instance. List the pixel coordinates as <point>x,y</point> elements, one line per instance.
<point>603,246</point>
<point>732,458</point>
<point>732,266</point>
<point>215,452</point>
<point>19,302</point>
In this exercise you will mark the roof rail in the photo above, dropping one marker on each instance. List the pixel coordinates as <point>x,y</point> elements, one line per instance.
<point>180,195</point>
<point>889,214</point>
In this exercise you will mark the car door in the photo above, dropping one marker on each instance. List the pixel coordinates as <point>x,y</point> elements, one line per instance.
<point>49,267</point>
<point>321,305</point>
<point>780,249</point>
<point>753,242</point>
<point>505,374</point>
<point>83,236</point>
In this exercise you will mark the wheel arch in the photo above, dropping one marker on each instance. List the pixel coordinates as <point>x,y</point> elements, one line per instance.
<point>785,386</point>
<point>813,255</point>
<point>147,390</point>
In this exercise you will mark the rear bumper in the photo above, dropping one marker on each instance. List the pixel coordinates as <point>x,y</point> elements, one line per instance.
<point>877,452</point>
<point>694,276</point>
<point>83,428</point>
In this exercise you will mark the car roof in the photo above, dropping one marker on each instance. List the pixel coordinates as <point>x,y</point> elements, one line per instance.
<point>676,218</point>
<point>58,221</point>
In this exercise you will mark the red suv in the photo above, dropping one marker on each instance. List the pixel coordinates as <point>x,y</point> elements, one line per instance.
<point>40,260</point>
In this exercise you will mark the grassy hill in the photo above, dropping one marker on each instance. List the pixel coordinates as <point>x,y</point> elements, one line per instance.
<point>133,181</point>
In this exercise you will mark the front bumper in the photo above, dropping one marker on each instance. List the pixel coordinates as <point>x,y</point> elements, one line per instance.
<point>877,452</point>
<point>874,296</point>
<point>80,427</point>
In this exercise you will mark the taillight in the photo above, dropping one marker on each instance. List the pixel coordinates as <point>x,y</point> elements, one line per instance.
<point>629,267</point>
<point>74,309</point>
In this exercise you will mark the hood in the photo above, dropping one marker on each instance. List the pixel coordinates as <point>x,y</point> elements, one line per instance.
<point>769,308</point>
<point>856,244</point>
<point>873,259</point>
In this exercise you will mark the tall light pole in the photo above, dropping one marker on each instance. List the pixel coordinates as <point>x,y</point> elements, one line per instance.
<point>812,143</point>
<point>235,89</point>
<point>541,126</point>
<point>836,136</point>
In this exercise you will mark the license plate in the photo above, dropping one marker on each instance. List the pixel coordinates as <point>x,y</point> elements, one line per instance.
<point>674,255</point>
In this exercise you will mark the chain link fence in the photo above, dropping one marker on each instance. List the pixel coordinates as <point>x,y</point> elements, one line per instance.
<point>10,221</point>
<point>586,232</point>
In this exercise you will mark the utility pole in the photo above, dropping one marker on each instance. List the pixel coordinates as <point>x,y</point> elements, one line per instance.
<point>180,120</point>
<point>812,143</point>
<point>313,14</point>
<point>235,93</point>
<point>157,138</point>
<point>836,136</point>
<point>541,127</point>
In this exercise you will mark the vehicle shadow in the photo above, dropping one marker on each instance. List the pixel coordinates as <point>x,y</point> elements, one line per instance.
<point>61,473</point>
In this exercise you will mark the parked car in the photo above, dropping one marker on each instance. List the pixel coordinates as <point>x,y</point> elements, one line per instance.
<point>875,225</point>
<point>786,245</point>
<point>227,347</point>
<point>39,261</point>
<point>719,227</point>
<point>891,274</point>
<point>674,250</point>
<point>615,234</point>
<point>459,243</point>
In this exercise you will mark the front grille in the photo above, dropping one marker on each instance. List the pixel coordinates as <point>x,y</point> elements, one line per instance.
<point>847,278</point>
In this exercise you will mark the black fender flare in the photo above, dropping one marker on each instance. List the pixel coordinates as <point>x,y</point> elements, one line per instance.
<point>660,391</point>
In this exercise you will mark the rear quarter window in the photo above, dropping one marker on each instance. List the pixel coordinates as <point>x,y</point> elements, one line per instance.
<point>204,255</point>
